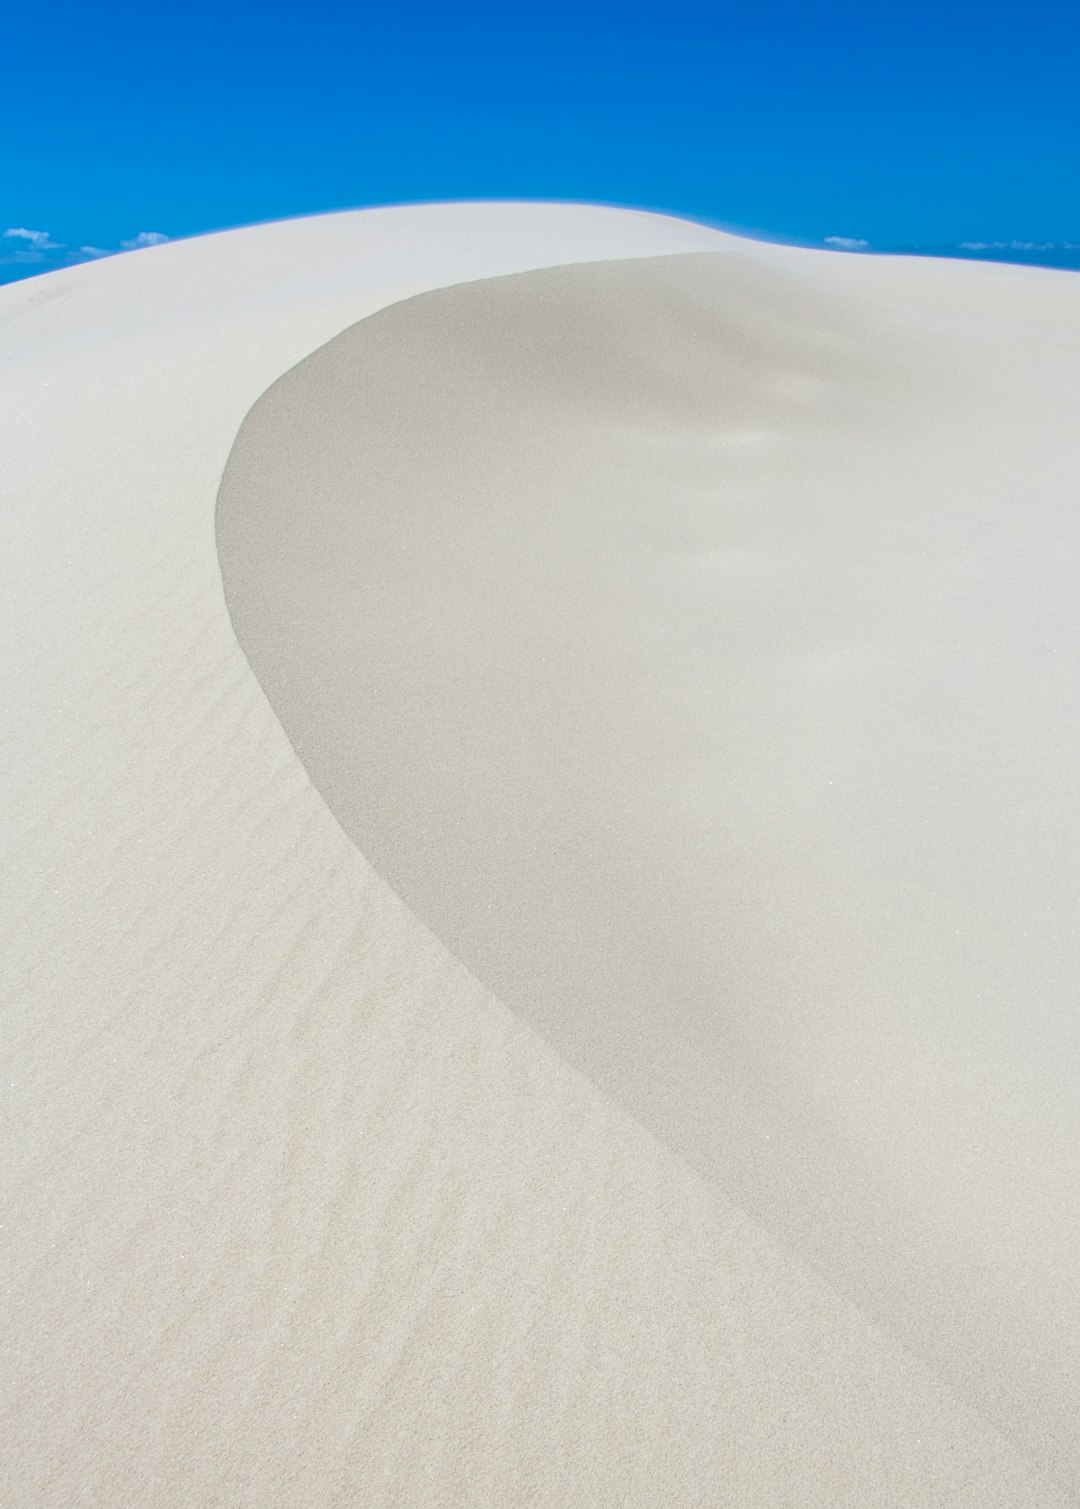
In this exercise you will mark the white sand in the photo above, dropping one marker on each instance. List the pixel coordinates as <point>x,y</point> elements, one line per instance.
<point>299,1211</point>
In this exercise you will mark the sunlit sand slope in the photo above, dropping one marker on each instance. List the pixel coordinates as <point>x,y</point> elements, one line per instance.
<point>296,1210</point>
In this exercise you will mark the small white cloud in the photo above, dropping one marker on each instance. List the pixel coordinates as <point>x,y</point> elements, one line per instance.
<point>94,251</point>
<point>846,243</point>
<point>38,241</point>
<point>976,245</point>
<point>144,238</point>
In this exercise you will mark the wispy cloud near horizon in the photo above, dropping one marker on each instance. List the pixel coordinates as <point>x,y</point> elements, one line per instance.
<point>847,243</point>
<point>144,238</point>
<point>1020,246</point>
<point>38,241</point>
<point>25,252</point>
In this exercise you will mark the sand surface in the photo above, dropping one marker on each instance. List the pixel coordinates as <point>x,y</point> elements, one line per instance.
<point>578,1005</point>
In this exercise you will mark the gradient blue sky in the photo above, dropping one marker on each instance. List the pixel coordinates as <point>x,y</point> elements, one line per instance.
<point>918,124</point>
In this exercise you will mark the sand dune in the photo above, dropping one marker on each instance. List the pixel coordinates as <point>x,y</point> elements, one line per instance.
<point>576,1006</point>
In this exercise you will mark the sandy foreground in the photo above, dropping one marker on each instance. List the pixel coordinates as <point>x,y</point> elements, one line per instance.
<point>541,855</point>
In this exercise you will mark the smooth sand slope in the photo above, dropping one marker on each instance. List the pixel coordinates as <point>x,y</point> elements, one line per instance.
<point>661,1087</point>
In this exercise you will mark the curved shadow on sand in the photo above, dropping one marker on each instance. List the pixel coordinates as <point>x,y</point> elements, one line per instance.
<point>617,612</point>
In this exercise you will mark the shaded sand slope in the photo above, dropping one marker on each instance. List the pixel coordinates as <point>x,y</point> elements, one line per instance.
<point>295,1210</point>
<point>693,644</point>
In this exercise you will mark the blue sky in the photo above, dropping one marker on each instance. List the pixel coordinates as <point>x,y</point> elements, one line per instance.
<point>926,125</point>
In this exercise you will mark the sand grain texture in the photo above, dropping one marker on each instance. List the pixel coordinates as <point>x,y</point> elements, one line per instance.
<point>327,1184</point>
